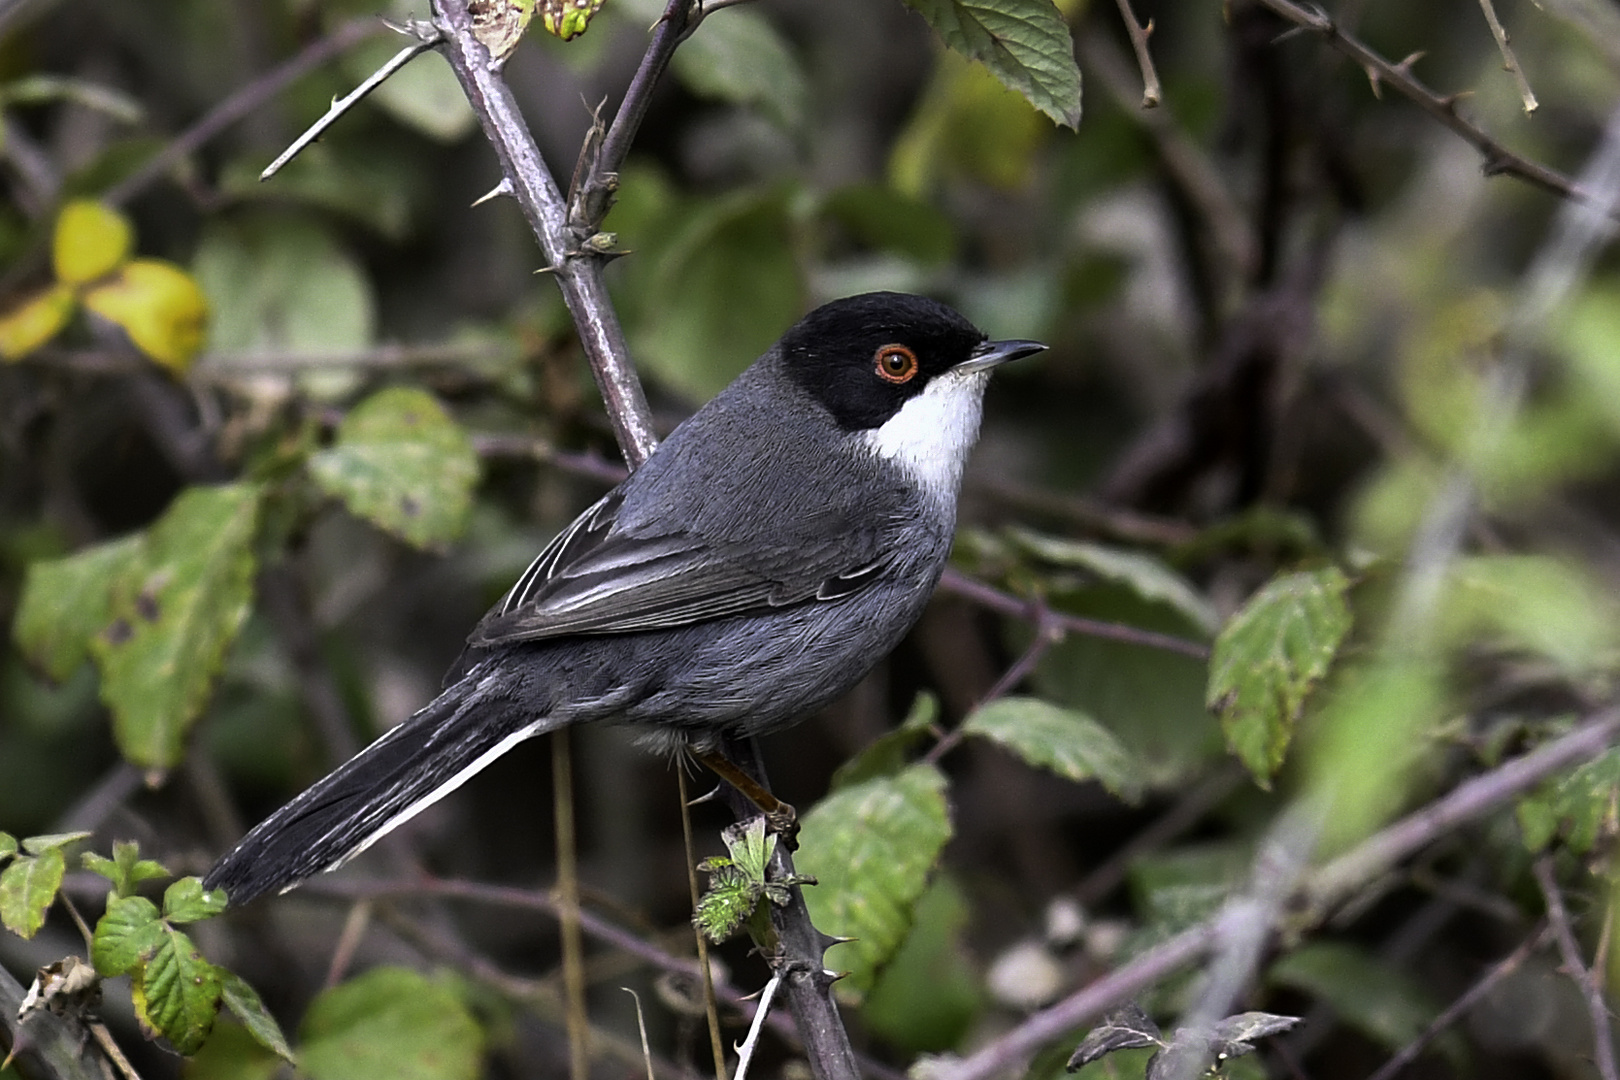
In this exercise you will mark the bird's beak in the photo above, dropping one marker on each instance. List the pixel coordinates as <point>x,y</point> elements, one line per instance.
<point>994,353</point>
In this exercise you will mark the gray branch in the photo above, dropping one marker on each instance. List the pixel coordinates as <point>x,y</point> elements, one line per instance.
<point>578,270</point>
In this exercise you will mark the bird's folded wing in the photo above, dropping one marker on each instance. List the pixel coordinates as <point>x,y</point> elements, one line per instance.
<point>590,580</point>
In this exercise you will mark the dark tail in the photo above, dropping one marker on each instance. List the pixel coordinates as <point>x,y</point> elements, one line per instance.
<point>407,770</point>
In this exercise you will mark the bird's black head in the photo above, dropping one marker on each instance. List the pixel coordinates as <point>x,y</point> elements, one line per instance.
<point>865,356</point>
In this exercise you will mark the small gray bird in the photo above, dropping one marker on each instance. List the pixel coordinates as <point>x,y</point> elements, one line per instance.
<point>772,550</point>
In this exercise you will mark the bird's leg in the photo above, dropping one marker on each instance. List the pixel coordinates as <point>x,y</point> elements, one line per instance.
<point>780,816</point>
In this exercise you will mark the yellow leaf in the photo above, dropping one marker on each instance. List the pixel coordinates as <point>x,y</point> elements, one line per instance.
<point>159,306</point>
<point>91,242</point>
<point>35,321</point>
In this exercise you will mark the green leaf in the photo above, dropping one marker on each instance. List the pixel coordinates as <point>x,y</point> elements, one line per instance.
<point>126,935</point>
<point>402,464</point>
<point>185,901</point>
<point>1536,603</point>
<point>928,995</point>
<point>1269,657</point>
<point>1576,805</point>
<point>423,95</point>
<point>174,619</point>
<point>8,845</point>
<point>970,125</point>
<point>244,1001</point>
<point>39,845</point>
<point>65,604</point>
<point>27,890</point>
<point>722,292</point>
<point>280,283</point>
<point>886,754</point>
<point>126,869</point>
<point>1378,1000</point>
<point>1368,738</point>
<point>232,1053</point>
<point>729,900</point>
<point>1151,699</point>
<point>1067,742</point>
<point>738,56</point>
<point>176,993</point>
<point>871,848</point>
<point>1024,43</point>
<point>566,19</point>
<point>390,1022</point>
<point>1143,574</point>
<point>890,220</point>
<point>735,883</point>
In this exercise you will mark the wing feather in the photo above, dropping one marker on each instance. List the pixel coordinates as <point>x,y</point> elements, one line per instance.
<point>592,579</point>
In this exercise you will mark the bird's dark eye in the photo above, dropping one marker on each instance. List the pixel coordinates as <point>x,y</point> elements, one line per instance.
<point>896,363</point>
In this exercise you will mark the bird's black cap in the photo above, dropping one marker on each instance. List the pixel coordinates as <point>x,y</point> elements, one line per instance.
<point>837,353</point>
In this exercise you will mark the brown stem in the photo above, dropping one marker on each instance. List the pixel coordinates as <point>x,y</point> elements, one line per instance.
<point>717,1047</point>
<point>799,959</point>
<point>671,28</point>
<point>573,945</point>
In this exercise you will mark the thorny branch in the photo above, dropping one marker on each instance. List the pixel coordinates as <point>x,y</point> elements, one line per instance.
<point>1499,160</point>
<point>1589,981</point>
<point>577,269</point>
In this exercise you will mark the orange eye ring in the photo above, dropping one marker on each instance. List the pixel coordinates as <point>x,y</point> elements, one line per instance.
<point>896,364</point>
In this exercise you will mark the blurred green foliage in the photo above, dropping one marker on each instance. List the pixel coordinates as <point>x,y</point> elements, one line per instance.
<point>1282,312</point>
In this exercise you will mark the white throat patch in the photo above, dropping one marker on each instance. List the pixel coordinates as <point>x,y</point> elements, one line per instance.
<point>932,433</point>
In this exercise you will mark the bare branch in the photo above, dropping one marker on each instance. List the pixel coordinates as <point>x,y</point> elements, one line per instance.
<point>1510,63</point>
<point>1457,1009</point>
<point>1575,967</point>
<point>1139,34</point>
<point>1498,158</point>
<point>670,30</point>
<point>954,581</point>
<point>348,101</point>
